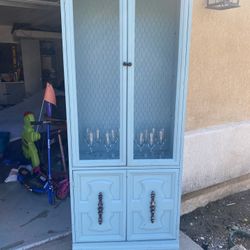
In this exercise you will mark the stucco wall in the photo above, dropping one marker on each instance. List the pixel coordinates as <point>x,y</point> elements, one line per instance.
<point>217,136</point>
<point>219,79</point>
<point>215,155</point>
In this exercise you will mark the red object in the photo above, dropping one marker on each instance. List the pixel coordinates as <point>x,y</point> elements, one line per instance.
<point>62,189</point>
<point>28,113</point>
<point>49,94</point>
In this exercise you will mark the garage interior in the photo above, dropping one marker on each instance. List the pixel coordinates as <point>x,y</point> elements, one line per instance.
<point>30,57</point>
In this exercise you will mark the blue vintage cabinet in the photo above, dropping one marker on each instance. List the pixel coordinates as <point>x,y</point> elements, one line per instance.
<point>126,67</point>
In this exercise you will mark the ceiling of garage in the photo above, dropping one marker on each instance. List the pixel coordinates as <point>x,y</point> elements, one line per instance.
<point>38,17</point>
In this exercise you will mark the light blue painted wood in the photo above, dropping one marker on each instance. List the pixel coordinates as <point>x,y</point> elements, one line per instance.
<point>67,38</point>
<point>72,83</point>
<point>110,176</point>
<point>141,184</point>
<point>144,245</point>
<point>130,104</point>
<point>186,51</point>
<point>182,69</point>
<point>124,168</point>
<point>87,188</point>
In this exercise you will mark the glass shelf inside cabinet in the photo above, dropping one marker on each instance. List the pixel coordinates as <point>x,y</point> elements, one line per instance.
<point>155,80</point>
<point>97,41</point>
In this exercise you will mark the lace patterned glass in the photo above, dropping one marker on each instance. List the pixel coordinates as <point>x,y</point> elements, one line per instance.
<point>156,53</point>
<point>97,59</point>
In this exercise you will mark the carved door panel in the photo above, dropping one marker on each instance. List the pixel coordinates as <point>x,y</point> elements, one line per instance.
<point>100,200</point>
<point>152,204</point>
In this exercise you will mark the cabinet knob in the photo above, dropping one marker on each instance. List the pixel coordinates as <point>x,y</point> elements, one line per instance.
<point>127,64</point>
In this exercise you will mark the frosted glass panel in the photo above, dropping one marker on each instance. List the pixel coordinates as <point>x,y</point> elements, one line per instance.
<point>156,47</point>
<point>97,56</point>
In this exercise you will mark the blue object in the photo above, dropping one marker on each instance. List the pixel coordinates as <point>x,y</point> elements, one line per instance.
<point>34,183</point>
<point>4,140</point>
<point>51,193</point>
<point>126,68</point>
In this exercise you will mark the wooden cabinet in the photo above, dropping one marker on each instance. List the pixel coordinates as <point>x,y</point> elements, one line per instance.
<point>126,64</point>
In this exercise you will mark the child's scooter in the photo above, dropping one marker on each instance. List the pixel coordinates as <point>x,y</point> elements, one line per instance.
<point>58,184</point>
<point>39,183</point>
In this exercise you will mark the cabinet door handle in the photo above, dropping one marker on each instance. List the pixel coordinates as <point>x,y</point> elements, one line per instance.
<point>152,207</point>
<point>100,208</point>
<point>127,64</point>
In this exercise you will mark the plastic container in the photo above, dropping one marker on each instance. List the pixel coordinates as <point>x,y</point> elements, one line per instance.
<point>4,140</point>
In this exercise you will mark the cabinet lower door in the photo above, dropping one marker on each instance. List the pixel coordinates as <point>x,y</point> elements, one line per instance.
<point>152,204</point>
<point>100,205</point>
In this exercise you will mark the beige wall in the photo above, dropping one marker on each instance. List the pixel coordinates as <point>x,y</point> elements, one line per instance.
<point>219,79</point>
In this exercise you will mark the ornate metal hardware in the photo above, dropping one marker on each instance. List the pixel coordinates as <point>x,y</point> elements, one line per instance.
<point>100,208</point>
<point>152,207</point>
<point>127,64</point>
<point>222,4</point>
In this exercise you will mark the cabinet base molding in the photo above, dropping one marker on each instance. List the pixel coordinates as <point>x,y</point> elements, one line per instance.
<point>143,245</point>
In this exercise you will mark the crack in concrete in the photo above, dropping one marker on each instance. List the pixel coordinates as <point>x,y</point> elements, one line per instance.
<point>43,214</point>
<point>12,245</point>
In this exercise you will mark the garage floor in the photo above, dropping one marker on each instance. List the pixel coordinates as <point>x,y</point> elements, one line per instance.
<point>27,218</point>
<point>65,244</point>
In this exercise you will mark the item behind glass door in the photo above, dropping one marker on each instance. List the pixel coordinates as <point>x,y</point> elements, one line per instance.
<point>150,143</point>
<point>102,144</point>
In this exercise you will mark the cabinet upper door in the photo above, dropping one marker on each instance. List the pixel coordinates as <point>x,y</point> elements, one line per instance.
<point>96,45</point>
<point>126,71</point>
<point>155,89</point>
